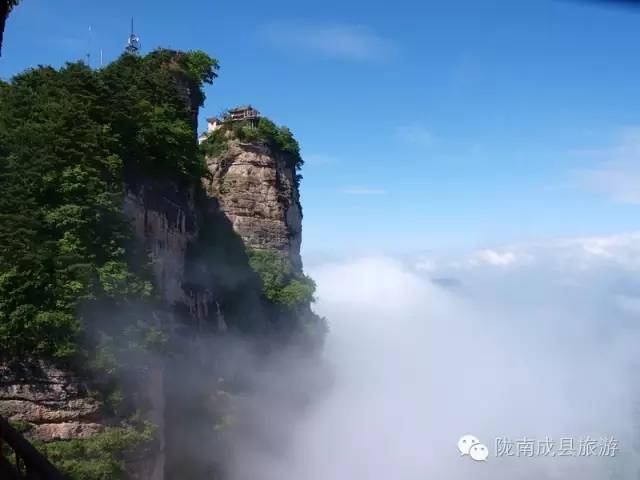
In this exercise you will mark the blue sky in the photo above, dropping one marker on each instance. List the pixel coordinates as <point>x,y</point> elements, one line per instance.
<point>424,124</point>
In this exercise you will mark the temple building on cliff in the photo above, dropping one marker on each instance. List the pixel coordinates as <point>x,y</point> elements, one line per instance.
<point>244,113</point>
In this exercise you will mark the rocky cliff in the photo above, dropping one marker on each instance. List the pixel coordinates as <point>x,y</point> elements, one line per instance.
<point>258,192</point>
<point>198,236</point>
<point>164,218</point>
<point>53,401</point>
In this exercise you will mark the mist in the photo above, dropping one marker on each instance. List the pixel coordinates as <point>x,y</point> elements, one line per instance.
<point>525,342</point>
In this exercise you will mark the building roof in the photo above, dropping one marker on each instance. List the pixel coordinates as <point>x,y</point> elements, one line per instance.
<point>213,119</point>
<point>241,108</point>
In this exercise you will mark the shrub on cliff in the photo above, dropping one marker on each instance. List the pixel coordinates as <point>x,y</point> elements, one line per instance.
<point>279,139</point>
<point>281,284</point>
<point>200,67</point>
<point>101,456</point>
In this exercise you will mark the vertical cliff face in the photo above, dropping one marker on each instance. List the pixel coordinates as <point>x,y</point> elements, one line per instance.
<point>165,219</point>
<point>198,239</point>
<point>257,190</point>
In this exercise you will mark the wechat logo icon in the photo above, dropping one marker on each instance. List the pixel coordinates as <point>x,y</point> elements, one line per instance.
<point>470,445</point>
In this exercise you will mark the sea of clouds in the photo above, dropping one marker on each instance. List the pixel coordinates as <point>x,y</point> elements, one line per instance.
<point>524,344</point>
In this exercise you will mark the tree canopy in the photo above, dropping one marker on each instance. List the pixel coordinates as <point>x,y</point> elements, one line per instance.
<point>68,137</point>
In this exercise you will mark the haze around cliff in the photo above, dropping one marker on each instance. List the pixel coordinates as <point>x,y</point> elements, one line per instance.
<point>521,342</point>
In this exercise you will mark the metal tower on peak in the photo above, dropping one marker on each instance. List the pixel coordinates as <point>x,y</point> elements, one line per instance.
<point>133,43</point>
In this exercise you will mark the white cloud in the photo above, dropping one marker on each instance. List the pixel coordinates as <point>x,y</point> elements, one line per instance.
<point>629,304</point>
<point>616,173</point>
<point>514,354</point>
<point>414,134</point>
<point>342,41</point>
<point>424,265</point>
<point>578,253</point>
<point>364,191</point>
<point>493,258</point>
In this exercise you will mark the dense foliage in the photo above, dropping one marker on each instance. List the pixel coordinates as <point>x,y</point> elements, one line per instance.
<point>200,67</point>
<point>281,284</point>
<point>147,105</point>
<point>68,139</point>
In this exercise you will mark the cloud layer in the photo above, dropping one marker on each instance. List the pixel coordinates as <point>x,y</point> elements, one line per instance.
<point>528,341</point>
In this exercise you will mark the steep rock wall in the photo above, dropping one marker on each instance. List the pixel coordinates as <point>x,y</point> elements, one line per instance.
<point>164,217</point>
<point>54,401</point>
<point>257,191</point>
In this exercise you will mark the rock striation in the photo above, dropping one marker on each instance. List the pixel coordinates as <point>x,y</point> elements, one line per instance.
<point>54,402</point>
<point>165,219</point>
<point>258,192</point>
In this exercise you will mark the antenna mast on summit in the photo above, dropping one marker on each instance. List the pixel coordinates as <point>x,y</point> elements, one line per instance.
<point>133,43</point>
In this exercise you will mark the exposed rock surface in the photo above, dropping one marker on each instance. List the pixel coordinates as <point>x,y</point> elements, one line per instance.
<point>166,220</point>
<point>54,401</point>
<point>163,218</point>
<point>257,191</point>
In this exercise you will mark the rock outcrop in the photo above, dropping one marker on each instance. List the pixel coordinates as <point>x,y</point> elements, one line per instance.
<point>54,402</point>
<point>258,192</point>
<point>165,219</point>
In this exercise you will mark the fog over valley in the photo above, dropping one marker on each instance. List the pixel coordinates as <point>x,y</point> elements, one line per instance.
<point>530,343</point>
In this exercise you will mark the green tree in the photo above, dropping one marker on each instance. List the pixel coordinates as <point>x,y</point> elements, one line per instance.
<point>69,140</point>
<point>5,9</point>
<point>201,67</point>
<point>281,285</point>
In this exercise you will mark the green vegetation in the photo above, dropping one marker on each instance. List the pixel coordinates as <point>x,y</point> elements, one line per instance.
<point>200,67</point>
<point>68,139</point>
<point>217,142</point>
<point>279,139</point>
<point>75,286</point>
<point>149,115</point>
<point>281,285</point>
<point>101,456</point>
<point>21,426</point>
<point>5,9</point>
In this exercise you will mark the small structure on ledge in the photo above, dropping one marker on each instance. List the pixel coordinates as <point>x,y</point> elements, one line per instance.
<point>245,113</point>
<point>213,123</point>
